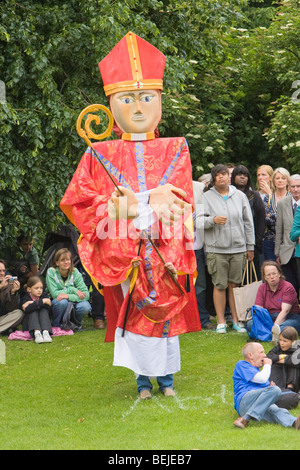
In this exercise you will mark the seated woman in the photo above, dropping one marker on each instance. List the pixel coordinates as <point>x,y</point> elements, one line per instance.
<point>279,298</point>
<point>65,284</point>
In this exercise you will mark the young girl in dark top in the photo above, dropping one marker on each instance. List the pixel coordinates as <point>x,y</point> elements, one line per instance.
<point>36,305</point>
<point>285,356</point>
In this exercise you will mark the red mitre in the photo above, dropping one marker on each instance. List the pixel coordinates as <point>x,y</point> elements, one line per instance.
<point>133,64</point>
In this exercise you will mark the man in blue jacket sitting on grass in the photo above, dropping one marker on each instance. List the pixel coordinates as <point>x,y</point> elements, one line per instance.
<point>254,395</point>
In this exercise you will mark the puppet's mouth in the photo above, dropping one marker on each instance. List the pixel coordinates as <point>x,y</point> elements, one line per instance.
<point>138,117</point>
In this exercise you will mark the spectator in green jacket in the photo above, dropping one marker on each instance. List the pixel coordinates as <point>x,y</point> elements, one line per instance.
<point>65,284</point>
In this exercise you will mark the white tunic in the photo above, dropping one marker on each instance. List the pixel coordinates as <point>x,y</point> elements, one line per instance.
<point>146,355</point>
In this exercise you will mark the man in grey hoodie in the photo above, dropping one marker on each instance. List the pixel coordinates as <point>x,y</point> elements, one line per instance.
<point>226,218</point>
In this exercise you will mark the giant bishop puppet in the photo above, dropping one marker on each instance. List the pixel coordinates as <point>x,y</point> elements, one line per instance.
<point>131,199</point>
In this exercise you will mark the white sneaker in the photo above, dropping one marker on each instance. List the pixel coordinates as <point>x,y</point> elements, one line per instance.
<point>38,337</point>
<point>46,336</point>
<point>221,328</point>
<point>275,333</point>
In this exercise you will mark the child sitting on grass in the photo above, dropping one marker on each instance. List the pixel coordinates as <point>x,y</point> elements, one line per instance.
<point>285,356</point>
<point>36,306</point>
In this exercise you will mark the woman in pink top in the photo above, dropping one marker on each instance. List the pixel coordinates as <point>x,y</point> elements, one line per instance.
<point>279,298</point>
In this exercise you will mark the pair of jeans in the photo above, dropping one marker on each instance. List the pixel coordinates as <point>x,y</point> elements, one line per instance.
<point>260,405</point>
<point>292,319</point>
<point>59,306</point>
<point>143,382</point>
<point>269,246</point>
<point>97,311</point>
<point>200,288</point>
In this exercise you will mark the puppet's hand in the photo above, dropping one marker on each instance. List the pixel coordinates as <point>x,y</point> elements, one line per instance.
<point>136,263</point>
<point>167,205</point>
<point>170,267</point>
<point>122,207</point>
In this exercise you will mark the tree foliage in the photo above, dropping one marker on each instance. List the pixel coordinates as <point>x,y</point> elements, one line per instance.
<point>227,88</point>
<point>266,127</point>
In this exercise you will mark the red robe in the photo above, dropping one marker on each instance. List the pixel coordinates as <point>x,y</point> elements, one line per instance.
<point>107,248</point>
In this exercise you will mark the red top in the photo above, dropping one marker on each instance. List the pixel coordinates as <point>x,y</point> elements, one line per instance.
<point>272,301</point>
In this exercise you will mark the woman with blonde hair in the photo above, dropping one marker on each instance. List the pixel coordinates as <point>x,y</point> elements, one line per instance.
<point>280,182</point>
<point>264,184</point>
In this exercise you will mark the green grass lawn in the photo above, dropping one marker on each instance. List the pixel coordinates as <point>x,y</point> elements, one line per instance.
<point>67,395</point>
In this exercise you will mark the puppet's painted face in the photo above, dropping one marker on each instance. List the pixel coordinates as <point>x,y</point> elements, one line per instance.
<point>136,111</point>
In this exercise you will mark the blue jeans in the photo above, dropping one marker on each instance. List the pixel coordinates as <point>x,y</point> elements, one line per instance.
<point>200,288</point>
<point>59,306</point>
<point>260,405</point>
<point>144,383</point>
<point>292,319</point>
<point>269,246</point>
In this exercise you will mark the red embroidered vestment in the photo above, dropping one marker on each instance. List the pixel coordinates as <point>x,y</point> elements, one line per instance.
<point>108,248</point>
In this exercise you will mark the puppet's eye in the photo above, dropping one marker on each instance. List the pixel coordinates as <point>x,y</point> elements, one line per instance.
<point>127,99</point>
<point>147,98</point>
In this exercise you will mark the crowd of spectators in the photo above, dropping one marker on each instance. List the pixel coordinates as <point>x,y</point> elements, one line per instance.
<point>238,221</point>
<point>60,299</point>
<point>234,221</point>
